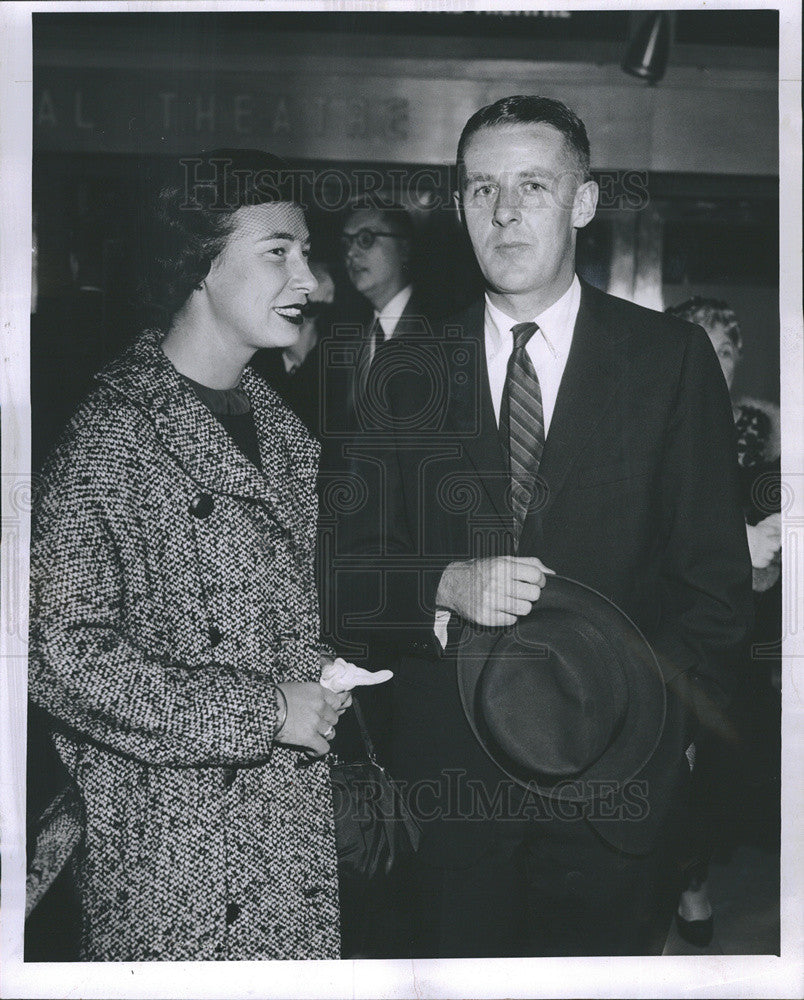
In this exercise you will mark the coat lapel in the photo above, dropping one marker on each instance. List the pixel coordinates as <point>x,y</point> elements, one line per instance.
<point>595,367</point>
<point>203,448</point>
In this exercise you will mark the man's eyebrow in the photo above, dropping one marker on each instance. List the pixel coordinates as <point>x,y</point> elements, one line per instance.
<point>529,172</point>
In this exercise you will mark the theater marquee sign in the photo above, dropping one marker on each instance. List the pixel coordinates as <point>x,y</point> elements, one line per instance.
<point>315,116</point>
<point>122,113</point>
<point>397,111</point>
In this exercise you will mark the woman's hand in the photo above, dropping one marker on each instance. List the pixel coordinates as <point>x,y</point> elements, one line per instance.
<point>312,714</point>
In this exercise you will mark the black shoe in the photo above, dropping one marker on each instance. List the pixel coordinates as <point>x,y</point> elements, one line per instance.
<point>696,932</point>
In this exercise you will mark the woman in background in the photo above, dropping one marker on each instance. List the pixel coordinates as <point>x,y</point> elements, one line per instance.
<point>748,754</point>
<point>174,635</point>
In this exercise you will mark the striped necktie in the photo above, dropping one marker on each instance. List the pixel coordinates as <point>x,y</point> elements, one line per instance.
<point>522,423</point>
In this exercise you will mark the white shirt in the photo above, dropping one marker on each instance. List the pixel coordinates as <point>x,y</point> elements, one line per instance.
<point>390,314</point>
<point>548,349</point>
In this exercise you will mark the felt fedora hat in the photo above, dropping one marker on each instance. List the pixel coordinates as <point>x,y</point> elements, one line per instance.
<point>568,700</point>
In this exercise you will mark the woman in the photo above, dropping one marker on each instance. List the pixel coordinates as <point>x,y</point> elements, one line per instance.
<point>724,767</point>
<point>295,371</point>
<point>174,631</point>
<point>758,438</point>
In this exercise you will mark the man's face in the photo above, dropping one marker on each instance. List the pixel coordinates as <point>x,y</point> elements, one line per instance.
<point>379,272</point>
<point>522,200</point>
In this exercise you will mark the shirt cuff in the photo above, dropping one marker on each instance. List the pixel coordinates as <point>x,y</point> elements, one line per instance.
<point>442,617</point>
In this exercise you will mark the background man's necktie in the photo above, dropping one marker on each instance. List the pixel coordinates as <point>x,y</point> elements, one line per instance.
<point>365,357</point>
<point>522,422</point>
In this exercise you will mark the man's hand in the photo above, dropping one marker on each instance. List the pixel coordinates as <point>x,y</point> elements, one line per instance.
<point>764,540</point>
<point>494,591</point>
<point>312,712</point>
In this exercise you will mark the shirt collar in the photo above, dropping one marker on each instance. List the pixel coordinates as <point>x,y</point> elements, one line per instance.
<point>394,309</point>
<point>556,323</point>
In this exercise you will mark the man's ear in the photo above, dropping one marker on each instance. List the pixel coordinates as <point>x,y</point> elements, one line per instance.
<point>584,204</point>
<point>457,203</point>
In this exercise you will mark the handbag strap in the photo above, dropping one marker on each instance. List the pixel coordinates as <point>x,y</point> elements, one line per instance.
<point>367,741</point>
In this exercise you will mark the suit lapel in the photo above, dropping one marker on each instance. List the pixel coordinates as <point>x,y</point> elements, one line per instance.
<point>471,412</point>
<point>413,321</point>
<point>595,367</point>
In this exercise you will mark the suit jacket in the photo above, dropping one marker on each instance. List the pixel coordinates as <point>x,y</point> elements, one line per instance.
<point>339,421</point>
<point>342,416</point>
<point>171,588</point>
<point>638,499</point>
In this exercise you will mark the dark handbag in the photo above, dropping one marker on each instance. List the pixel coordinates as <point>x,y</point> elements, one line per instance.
<point>373,825</point>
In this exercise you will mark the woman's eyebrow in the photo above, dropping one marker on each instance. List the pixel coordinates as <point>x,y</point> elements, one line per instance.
<point>277,236</point>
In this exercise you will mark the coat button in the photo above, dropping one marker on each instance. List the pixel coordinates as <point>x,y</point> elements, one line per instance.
<point>232,912</point>
<point>215,635</point>
<point>202,505</point>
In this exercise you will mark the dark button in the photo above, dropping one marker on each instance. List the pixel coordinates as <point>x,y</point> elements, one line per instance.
<point>229,774</point>
<point>232,912</point>
<point>313,890</point>
<point>215,635</point>
<point>202,505</point>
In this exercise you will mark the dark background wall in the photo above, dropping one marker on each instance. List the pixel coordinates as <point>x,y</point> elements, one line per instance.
<point>688,168</point>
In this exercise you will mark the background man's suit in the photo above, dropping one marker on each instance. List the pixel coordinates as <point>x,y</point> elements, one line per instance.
<point>639,500</point>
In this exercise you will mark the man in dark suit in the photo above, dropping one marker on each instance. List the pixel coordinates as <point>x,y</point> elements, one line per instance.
<point>377,244</point>
<point>549,428</point>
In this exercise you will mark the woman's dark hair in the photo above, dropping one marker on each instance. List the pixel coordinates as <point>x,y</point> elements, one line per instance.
<point>194,217</point>
<point>526,109</point>
<point>710,313</point>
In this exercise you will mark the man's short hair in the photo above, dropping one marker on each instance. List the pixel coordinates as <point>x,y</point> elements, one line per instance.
<point>524,109</point>
<point>710,313</point>
<point>393,215</point>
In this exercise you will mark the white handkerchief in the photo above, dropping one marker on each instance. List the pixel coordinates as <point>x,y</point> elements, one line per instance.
<point>342,676</point>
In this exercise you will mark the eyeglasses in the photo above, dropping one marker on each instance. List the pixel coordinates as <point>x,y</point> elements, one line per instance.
<point>365,239</point>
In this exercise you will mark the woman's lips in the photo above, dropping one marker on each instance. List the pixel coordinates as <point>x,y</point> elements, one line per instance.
<point>293,313</point>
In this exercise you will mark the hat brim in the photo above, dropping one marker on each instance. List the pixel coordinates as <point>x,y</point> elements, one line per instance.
<point>636,739</point>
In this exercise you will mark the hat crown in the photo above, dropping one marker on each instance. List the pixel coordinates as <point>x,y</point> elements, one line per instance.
<point>552,695</point>
<point>574,674</point>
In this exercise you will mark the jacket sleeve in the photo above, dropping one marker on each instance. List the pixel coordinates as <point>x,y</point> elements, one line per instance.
<point>705,582</point>
<point>88,672</point>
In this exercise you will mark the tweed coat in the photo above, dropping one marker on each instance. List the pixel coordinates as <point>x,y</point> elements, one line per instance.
<point>172,586</point>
